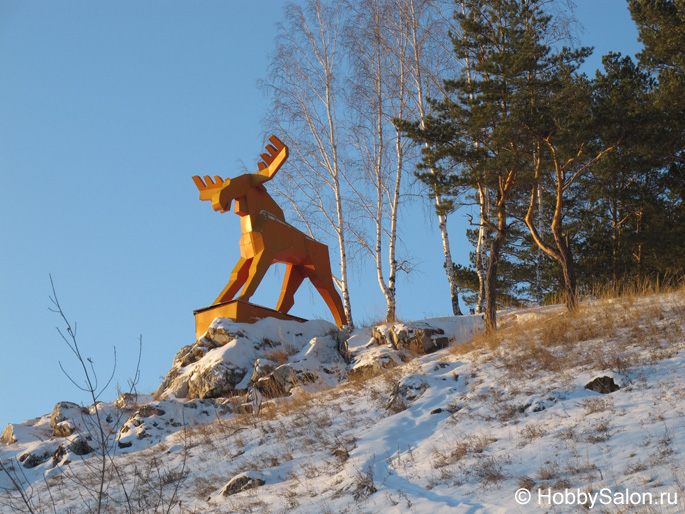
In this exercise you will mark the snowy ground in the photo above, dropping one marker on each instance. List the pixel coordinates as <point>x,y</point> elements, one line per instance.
<point>479,427</point>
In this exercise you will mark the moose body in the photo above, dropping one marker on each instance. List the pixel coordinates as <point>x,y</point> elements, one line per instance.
<point>267,238</point>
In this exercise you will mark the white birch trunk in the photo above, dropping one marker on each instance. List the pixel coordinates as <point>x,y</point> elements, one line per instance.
<point>421,107</point>
<point>482,248</point>
<point>304,94</point>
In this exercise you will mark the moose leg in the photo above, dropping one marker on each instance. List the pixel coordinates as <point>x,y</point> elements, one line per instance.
<point>238,278</point>
<point>322,279</point>
<point>260,263</point>
<point>294,275</point>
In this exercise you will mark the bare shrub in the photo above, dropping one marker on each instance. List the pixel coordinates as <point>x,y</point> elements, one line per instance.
<point>489,470</point>
<point>363,483</point>
<point>469,446</point>
<point>598,432</point>
<point>531,431</point>
<point>525,482</point>
<point>597,404</point>
<point>548,471</point>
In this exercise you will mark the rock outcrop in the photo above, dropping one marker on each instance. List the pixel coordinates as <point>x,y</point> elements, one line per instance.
<point>243,482</point>
<point>271,356</point>
<point>8,436</point>
<point>603,385</point>
<point>417,337</point>
<point>62,419</point>
<point>406,391</point>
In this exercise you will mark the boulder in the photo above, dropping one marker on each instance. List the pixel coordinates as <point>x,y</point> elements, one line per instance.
<point>148,411</point>
<point>262,368</point>
<point>603,385</point>
<point>342,346</point>
<point>373,361</point>
<point>416,337</point>
<point>59,457</point>
<point>243,482</point>
<point>282,380</point>
<point>64,428</point>
<point>126,401</point>
<point>221,334</point>
<point>406,391</point>
<point>217,381</point>
<point>31,460</point>
<point>189,355</point>
<point>64,411</point>
<point>8,436</point>
<point>80,446</point>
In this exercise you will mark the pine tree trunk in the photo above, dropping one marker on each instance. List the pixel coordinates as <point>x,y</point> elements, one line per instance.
<point>540,256</point>
<point>565,259</point>
<point>491,283</point>
<point>569,274</point>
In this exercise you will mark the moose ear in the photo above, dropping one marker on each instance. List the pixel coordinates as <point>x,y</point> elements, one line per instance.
<point>220,204</point>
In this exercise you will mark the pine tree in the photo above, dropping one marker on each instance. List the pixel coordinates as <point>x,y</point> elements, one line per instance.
<point>480,137</point>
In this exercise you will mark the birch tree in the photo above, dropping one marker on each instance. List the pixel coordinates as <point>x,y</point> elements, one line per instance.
<point>305,88</point>
<point>427,61</point>
<point>377,86</point>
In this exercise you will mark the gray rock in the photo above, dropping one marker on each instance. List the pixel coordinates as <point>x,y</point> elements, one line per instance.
<point>342,346</point>
<point>8,436</point>
<point>262,368</point>
<point>64,411</point>
<point>173,383</point>
<point>80,446</point>
<point>372,368</point>
<point>603,385</point>
<point>60,455</point>
<point>243,482</point>
<point>415,337</point>
<point>269,387</point>
<point>126,401</point>
<point>64,428</point>
<point>219,336</point>
<point>282,380</point>
<point>31,460</point>
<point>406,391</point>
<point>215,382</point>
<point>189,355</point>
<point>148,411</point>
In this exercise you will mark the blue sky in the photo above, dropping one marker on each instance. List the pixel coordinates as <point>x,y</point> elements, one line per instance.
<point>106,111</point>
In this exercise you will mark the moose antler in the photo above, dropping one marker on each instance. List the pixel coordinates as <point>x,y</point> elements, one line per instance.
<point>276,155</point>
<point>274,159</point>
<point>208,187</point>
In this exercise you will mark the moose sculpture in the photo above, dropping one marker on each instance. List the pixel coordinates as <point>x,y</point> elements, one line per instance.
<point>267,238</point>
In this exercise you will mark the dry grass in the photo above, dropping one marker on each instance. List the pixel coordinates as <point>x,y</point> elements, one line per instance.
<point>634,288</point>
<point>489,470</point>
<point>556,340</point>
<point>280,354</point>
<point>470,445</point>
<point>530,432</point>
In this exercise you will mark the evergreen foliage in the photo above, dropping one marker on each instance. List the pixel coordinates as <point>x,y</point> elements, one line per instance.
<point>603,155</point>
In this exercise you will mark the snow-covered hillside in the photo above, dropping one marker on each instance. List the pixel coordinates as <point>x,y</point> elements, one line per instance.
<point>358,423</point>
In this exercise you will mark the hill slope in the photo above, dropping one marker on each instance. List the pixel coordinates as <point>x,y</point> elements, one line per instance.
<point>469,428</point>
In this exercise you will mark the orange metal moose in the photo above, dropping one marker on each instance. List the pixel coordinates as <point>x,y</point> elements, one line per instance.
<point>267,238</point>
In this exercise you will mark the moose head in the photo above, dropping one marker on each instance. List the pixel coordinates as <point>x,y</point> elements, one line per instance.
<point>221,192</point>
